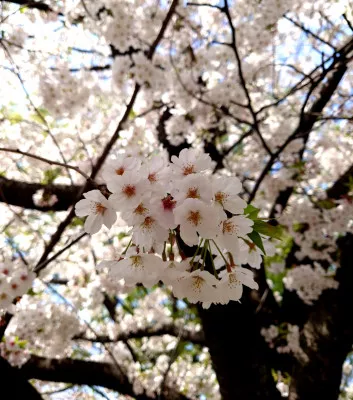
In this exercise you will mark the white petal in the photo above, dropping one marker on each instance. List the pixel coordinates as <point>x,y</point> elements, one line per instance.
<point>189,235</point>
<point>93,223</point>
<point>83,208</point>
<point>109,217</point>
<point>235,205</point>
<point>94,195</point>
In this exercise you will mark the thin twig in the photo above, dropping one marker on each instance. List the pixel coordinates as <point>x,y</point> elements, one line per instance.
<point>226,11</point>
<point>37,111</point>
<point>46,160</point>
<point>309,32</point>
<point>39,267</point>
<point>203,5</point>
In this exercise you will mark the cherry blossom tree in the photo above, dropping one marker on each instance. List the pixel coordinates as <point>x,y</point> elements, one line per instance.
<point>176,195</point>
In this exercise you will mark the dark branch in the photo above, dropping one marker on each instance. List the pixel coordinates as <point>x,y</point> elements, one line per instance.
<point>38,5</point>
<point>14,380</point>
<point>341,187</point>
<point>20,194</point>
<point>338,68</point>
<point>88,373</point>
<point>196,337</point>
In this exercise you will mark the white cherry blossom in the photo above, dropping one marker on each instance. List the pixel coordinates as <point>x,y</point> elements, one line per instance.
<point>128,190</point>
<point>231,230</point>
<point>190,161</point>
<point>225,194</point>
<point>196,286</point>
<point>119,166</point>
<point>231,283</point>
<point>194,216</point>
<point>155,171</point>
<point>193,186</point>
<point>98,209</point>
<point>148,231</point>
<point>163,211</point>
<point>254,254</point>
<point>137,268</point>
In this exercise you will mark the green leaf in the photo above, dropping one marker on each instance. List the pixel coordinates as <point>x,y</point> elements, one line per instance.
<point>132,114</point>
<point>50,175</point>
<point>327,204</point>
<point>267,229</point>
<point>122,235</point>
<point>76,221</point>
<point>251,211</point>
<point>257,240</point>
<point>14,118</point>
<point>31,292</point>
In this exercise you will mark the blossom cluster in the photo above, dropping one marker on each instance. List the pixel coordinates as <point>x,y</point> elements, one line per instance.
<point>47,328</point>
<point>195,220</point>
<point>293,344</point>
<point>284,340</point>
<point>62,93</point>
<point>309,282</point>
<point>14,351</point>
<point>15,280</point>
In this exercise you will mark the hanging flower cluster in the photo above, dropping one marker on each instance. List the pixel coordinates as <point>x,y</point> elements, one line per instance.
<point>15,280</point>
<point>196,221</point>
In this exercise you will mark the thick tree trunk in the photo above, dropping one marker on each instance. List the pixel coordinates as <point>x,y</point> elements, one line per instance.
<point>15,384</point>
<point>327,336</point>
<point>239,354</point>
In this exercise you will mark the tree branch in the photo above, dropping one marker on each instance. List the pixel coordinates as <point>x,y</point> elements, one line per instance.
<point>308,119</point>
<point>45,160</point>
<point>88,373</point>
<point>19,387</point>
<point>32,4</point>
<point>196,337</point>
<point>21,194</point>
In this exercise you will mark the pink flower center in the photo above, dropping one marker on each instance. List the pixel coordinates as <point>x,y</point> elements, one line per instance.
<point>152,178</point>
<point>129,190</point>
<point>194,217</point>
<point>188,169</point>
<point>100,208</point>
<point>148,223</point>
<point>168,203</point>
<point>229,227</point>
<point>233,279</point>
<point>220,197</point>
<point>140,209</point>
<point>193,193</point>
<point>197,283</point>
<point>136,261</point>
<point>120,171</point>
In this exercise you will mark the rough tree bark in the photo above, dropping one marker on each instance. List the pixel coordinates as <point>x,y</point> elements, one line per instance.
<point>327,336</point>
<point>239,354</point>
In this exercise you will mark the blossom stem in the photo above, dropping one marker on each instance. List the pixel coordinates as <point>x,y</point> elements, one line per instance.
<point>219,251</point>
<point>181,253</point>
<point>171,240</point>
<point>164,254</point>
<point>212,261</point>
<point>196,252</point>
<point>127,247</point>
<point>203,254</point>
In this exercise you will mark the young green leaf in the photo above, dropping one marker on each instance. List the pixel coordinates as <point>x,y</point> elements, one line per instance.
<point>257,240</point>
